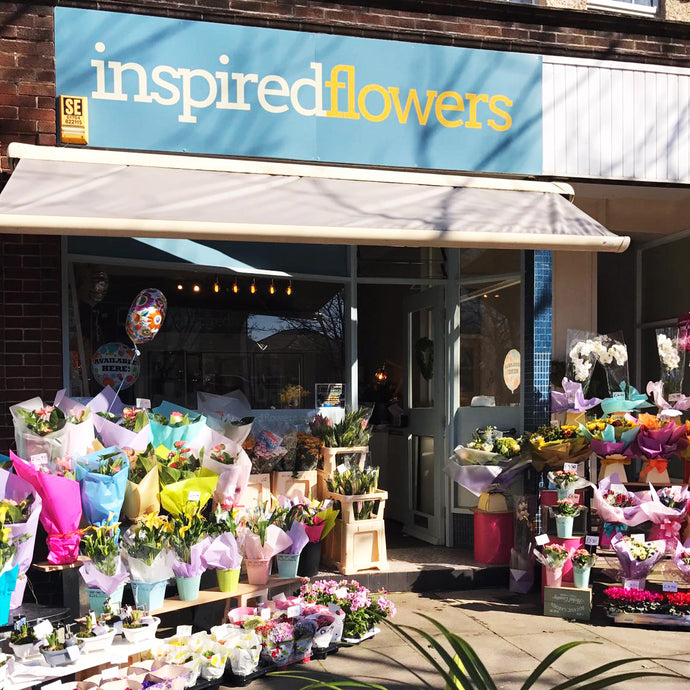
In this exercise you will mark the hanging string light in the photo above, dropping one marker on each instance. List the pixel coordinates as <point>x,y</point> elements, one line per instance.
<point>180,286</point>
<point>216,286</point>
<point>272,289</point>
<point>252,287</point>
<point>197,287</point>
<point>288,291</point>
<point>235,287</point>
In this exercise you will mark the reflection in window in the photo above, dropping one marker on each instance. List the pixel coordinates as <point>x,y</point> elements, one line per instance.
<point>274,347</point>
<point>489,328</point>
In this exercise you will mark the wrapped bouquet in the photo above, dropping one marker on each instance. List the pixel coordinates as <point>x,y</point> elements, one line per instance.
<point>636,558</point>
<point>102,477</point>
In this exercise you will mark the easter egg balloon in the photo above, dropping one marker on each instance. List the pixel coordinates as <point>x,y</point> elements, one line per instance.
<point>114,364</point>
<point>146,315</point>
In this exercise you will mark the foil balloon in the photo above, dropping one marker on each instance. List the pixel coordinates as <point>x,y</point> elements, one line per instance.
<point>114,364</point>
<point>146,316</point>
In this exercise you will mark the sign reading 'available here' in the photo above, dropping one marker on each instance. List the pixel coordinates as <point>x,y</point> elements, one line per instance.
<point>156,83</point>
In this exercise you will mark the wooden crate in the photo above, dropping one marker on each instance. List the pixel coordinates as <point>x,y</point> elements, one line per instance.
<point>284,484</point>
<point>258,490</point>
<point>332,457</point>
<point>356,546</point>
<point>348,504</point>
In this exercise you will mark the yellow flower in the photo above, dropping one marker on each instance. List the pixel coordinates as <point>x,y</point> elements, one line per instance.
<point>5,535</point>
<point>3,513</point>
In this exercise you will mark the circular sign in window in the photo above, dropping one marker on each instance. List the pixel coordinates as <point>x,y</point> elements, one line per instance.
<point>511,370</point>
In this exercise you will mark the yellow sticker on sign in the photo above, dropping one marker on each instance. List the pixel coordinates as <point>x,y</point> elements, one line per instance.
<point>74,119</point>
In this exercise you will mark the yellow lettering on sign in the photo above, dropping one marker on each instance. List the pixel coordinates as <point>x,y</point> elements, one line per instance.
<point>74,120</point>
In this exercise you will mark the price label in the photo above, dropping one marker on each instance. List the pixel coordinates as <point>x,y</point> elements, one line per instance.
<point>637,537</point>
<point>294,611</point>
<point>570,466</point>
<point>194,496</point>
<point>341,593</point>
<point>591,540</point>
<point>43,629</point>
<point>618,395</point>
<point>184,630</point>
<point>39,459</point>
<point>73,652</point>
<point>110,672</point>
<point>541,539</point>
<point>632,584</point>
<point>265,613</point>
<point>341,469</point>
<point>143,403</point>
<point>670,586</point>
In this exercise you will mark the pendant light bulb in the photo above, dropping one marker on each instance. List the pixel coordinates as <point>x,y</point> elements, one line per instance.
<point>289,289</point>
<point>216,286</point>
<point>197,287</point>
<point>272,288</point>
<point>180,286</point>
<point>235,287</point>
<point>252,287</point>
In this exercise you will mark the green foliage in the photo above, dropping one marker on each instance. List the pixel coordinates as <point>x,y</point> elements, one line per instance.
<point>353,430</point>
<point>459,666</point>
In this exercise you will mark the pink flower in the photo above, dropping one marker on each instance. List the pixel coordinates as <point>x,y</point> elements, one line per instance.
<point>176,416</point>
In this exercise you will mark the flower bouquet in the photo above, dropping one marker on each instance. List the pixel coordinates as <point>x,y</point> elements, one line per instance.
<point>189,540</point>
<point>610,438</point>
<point>617,507</point>
<point>102,476</point>
<point>352,431</point>
<point>259,541</point>
<point>626,399</point>
<point>286,516</point>
<point>145,549</point>
<point>672,361</point>
<point>566,482</point>
<point>61,509</point>
<point>318,518</point>
<point>38,429</point>
<point>141,494</point>
<point>182,478</point>
<point>564,512</point>
<point>230,462</point>
<point>656,442</point>
<point>119,425</point>
<point>572,399</point>
<point>79,427</point>
<point>584,350</point>
<point>105,573</point>
<point>304,631</point>
<point>20,510</point>
<point>363,609</point>
<point>352,480</point>
<point>667,509</point>
<point>614,359</point>
<point>228,414</point>
<point>170,423</point>
<point>553,557</point>
<point>552,446</point>
<point>583,560</point>
<point>681,558</point>
<point>265,450</point>
<point>636,558</point>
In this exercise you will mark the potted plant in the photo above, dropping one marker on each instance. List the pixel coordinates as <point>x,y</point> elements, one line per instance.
<point>57,653</point>
<point>553,557</point>
<point>583,561</point>
<point>93,636</point>
<point>565,511</point>
<point>145,545</point>
<point>188,538</point>
<point>565,481</point>
<point>137,627</point>
<point>105,574</point>
<point>262,540</point>
<point>223,554</point>
<point>286,517</point>
<point>23,640</point>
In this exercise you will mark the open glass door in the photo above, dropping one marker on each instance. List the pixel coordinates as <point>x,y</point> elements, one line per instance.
<point>427,422</point>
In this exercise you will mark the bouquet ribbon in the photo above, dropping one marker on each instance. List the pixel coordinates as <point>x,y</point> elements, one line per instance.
<point>658,464</point>
<point>611,528</point>
<point>668,529</point>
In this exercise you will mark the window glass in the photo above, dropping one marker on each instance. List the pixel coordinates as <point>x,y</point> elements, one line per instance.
<point>274,347</point>
<point>401,262</point>
<point>490,320</point>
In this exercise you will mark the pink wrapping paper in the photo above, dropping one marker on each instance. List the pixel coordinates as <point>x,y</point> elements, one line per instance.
<point>657,512</point>
<point>276,541</point>
<point>631,516</point>
<point>315,531</point>
<point>196,566</point>
<point>60,512</point>
<point>683,567</point>
<point>222,553</point>
<point>96,579</point>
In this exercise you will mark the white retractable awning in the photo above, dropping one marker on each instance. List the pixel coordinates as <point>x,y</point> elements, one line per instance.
<point>121,194</point>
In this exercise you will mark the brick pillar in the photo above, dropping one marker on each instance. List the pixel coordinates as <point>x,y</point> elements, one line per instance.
<point>30,323</point>
<point>538,325</point>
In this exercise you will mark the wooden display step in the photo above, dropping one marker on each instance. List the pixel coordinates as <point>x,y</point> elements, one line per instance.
<point>348,504</point>
<point>357,546</point>
<point>258,490</point>
<point>287,484</point>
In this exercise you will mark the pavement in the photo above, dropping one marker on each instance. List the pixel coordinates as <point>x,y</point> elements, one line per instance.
<point>511,636</point>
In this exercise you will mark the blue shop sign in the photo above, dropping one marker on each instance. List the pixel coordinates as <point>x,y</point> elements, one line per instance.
<point>162,84</point>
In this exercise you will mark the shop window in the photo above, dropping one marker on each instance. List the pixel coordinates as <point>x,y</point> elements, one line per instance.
<point>639,7</point>
<point>490,326</point>
<point>401,262</point>
<point>271,345</point>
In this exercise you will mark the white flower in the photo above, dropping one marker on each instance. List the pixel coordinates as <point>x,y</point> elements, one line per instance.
<point>619,352</point>
<point>668,352</point>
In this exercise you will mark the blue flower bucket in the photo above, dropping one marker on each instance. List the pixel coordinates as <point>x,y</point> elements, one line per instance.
<point>149,595</point>
<point>98,599</point>
<point>287,564</point>
<point>188,588</point>
<point>8,582</point>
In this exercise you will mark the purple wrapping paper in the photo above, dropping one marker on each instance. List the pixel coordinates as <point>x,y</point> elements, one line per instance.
<point>606,448</point>
<point>106,401</point>
<point>222,553</point>
<point>632,569</point>
<point>571,399</point>
<point>631,516</point>
<point>17,489</point>
<point>656,390</point>
<point>684,568</point>
<point>658,443</point>
<point>300,539</point>
<point>196,566</point>
<point>95,579</point>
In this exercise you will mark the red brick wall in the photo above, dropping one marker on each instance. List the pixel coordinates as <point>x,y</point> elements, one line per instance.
<point>30,323</point>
